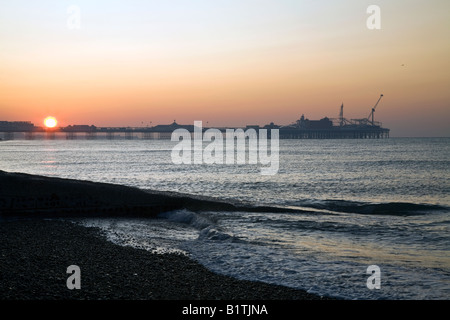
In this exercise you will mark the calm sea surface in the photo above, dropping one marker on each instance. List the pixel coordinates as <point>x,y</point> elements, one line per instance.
<point>367,202</point>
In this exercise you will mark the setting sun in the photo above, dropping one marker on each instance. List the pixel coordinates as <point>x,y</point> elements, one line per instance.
<point>50,122</point>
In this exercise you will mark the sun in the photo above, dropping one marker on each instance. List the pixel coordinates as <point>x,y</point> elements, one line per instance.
<point>50,122</point>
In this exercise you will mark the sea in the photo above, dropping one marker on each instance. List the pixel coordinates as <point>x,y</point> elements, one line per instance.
<point>372,218</point>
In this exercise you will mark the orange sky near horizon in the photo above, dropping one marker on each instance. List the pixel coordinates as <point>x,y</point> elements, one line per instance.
<point>228,63</point>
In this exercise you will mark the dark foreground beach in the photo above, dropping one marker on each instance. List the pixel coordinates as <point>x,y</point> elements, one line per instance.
<point>35,254</point>
<point>37,245</point>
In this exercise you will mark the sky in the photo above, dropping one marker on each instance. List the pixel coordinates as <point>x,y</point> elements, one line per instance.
<point>226,63</point>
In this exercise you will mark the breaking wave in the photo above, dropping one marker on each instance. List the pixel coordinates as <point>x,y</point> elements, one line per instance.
<point>208,230</point>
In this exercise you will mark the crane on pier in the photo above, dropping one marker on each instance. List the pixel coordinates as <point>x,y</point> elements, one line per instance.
<point>373,111</point>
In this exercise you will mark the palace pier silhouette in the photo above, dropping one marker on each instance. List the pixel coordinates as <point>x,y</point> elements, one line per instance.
<point>325,128</point>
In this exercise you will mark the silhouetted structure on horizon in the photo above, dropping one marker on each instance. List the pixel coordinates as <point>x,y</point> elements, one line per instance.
<point>325,128</point>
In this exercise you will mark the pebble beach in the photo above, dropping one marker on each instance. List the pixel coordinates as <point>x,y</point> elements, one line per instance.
<point>35,254</point>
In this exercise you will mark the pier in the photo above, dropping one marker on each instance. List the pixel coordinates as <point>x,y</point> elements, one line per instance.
<point>325,128</point>
<point>153,133</point>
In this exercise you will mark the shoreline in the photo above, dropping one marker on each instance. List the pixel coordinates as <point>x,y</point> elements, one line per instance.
<point>35,255</point>
<point>37,245</point>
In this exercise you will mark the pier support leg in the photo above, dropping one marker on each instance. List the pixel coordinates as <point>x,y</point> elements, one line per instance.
<point>91,135</point>
<point>8,136</point>
<point>71,135</point>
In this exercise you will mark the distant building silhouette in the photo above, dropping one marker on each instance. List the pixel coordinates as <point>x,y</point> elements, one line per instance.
<point>13,126</point>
